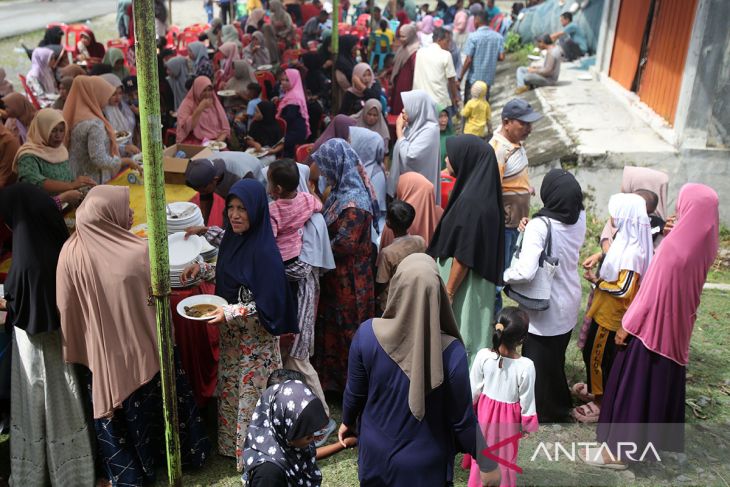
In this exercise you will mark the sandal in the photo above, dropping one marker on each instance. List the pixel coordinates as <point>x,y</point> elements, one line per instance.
<point>580,390</point>
<point>588,413</point>
<point>594,458</point>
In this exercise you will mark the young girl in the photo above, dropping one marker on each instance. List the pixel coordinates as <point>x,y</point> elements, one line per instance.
<point>477,111</point>
<point>503,391</point>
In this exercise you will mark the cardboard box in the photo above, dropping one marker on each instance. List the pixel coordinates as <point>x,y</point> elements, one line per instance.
<point>175,167</point>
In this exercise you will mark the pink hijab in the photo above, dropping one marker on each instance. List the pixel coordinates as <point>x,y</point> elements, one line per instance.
<point>663,313</point>
<point>426,25</point>
<point>212,122</point>
<point>295,96</point>
<point>359,71</point>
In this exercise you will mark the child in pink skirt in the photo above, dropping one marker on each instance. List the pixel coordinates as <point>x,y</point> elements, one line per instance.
<point>503,391</point>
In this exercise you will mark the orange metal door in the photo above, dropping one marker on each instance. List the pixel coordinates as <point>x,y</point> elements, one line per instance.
<point>666,54</point>
<point>632,18</point>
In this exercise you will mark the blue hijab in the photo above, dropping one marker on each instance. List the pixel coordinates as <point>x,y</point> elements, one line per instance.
<point>338,162</point>
<point>252,259</point>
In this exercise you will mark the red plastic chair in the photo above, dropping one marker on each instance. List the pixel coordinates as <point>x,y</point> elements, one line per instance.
<point>122,45</point>
<point>172,33</point>
<point>447,184</point>
<point>262,77</point>
<point>302,152</point>
<point>198,28</point>
<point>217,61</point>
<point>363,20</point>
<point>185,38</point>
<point>73,36</point>
<point>29,92</point>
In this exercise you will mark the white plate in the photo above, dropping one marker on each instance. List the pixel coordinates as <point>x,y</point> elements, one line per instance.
<point>183,251</point>
<point>138,229</point>
<point>137,158</point>
<point>182,209</point>
<point>199,299</point>
<point>252,151</point>
<point>215,145</point>
<point>227,93</point>
<point>533,57</point>
<point>264,67</point>
<point>585,77</point>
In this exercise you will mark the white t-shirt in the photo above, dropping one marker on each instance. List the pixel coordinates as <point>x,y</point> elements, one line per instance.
<point>565,292</point>
<point>434,67</point>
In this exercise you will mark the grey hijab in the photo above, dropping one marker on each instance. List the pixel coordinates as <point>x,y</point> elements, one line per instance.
<point>178,67</point>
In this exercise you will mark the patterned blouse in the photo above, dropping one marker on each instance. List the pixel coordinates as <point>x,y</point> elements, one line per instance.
<point>89,152</point>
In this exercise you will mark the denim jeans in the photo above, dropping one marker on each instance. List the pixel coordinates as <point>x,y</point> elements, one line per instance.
<point>510,245</point>
<point>209,11</point>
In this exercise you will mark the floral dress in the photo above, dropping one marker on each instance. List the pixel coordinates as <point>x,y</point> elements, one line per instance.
<point>347,296</point>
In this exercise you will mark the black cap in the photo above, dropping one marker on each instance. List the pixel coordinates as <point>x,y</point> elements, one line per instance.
<point>518,109</point>
<point>130,84</point>
<point>200,172</point>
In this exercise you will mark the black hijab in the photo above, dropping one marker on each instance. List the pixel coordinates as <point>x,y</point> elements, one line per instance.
<point>472,228</point>
<point>561,196</point>
<point>266,131</point>
<point>38,235</point>
<point>345,59</point>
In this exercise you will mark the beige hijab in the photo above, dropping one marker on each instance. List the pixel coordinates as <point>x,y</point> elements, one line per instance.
<point>102,286</point>
<point>37,141</point>
<point>417,326</point>
<point>86,100</point>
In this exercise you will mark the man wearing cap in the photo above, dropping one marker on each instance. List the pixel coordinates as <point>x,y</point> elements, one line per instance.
<point>218,175</point>
<point>517,118</point>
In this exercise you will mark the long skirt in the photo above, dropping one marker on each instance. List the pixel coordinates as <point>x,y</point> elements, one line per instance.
<point>552,397</point>
<point>130,444</point>
<point>248,355</point>
<point>598,354</point>
<point>473,308</point>
<point>643,401</point>
<point>50,438</point>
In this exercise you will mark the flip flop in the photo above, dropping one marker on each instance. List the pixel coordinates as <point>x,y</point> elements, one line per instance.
<point>594,458</point>
<point>588,413</point>
<point>580,390</point>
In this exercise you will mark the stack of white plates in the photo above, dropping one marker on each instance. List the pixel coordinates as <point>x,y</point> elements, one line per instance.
<point>183,215</point>
<point>209,253</point>
<point>182,253</point>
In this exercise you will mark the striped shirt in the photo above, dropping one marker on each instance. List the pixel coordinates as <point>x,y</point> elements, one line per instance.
<point>287,221</point>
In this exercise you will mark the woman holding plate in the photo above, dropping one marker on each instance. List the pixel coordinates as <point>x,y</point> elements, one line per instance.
<point>250,274</point>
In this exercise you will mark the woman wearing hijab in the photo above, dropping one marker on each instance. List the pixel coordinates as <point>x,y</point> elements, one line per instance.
<point>250,275</point>
<point>345,63</point>
<point>89,48</point>
<point>43,160</point>
<point>8,148</point>
<point>50,441</point>
<point>40,78</point>
<point>202,66</point>
<point>286,419</point>
<point>348,295</point>
<point>201,115</point>
<point>281,21</point>
<point>647,385</point>
<point>469,240</point>
<point>229,33</point>
<point>417,191</point>
<point>110,329</point>
<point>177,77</point>
<point>617,284</point>
<point>6,87</point>
<point>256,53</point>
<point>264,130</point>
<point>371,117</point>
<point>408,373</point>
<point>230,53</point>
<point>115,58</point>
<point>255,17</point>
<point>213,34</point>
<point>20,113</point>
<point>91,139</point>
<point>550,330</point>
<point>369,147</point>
<point>364,87</point>
<point>418,144</point>
<point>446,130</point>
<point>339,128</point>
<point>293,110</point>
<point>120,116</point>
<point>271,43</point>
<point>404,66</point>
<point>242,75</point>
<point>425,30</point>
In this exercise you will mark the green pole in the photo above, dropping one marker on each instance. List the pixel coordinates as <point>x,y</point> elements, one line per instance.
<point>154,189</point>
<point>335,46</point>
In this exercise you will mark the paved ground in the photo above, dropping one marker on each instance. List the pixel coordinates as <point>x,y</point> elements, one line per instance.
<point>18,17</point>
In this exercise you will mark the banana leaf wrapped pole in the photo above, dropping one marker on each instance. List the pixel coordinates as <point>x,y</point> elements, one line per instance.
<point>335,48</point>
<point>154,189</point>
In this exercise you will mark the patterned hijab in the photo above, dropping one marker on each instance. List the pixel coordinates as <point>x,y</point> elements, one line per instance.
<point>285,412</point>
<point>338,162</point>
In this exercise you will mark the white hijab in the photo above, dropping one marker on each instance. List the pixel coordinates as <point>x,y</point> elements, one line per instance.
<point>632,248</point>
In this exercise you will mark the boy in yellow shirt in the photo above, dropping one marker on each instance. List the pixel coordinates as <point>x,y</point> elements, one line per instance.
<point>477,112</point>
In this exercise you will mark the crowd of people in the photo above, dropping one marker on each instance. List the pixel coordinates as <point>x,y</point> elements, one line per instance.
<point>351,272</point>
